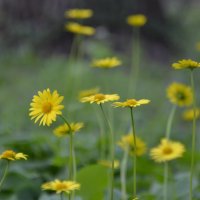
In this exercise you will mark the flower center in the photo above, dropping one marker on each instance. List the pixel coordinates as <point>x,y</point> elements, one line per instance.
<point>131,102</point>
<point>9,154</point>
<point>60,186</point>
<point>47,107</point>
<point>167,150</point>
<point>99,97</point>
<point>180,96</point>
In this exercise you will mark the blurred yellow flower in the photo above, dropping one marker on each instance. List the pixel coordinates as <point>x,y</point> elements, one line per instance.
<point>46,106</point>
<point>197,46</point>
<point>127,143</point>
<point>186,63</point>
<point>106,62</point>
<point>108,163</point>
<point>64,130</point>
<point>188,115</point>
<point>11,155</point>
<point>79,29</point>
<point>180,94</point>
<point>137,20</point>
<point>100,98</point>
<point>131,103</point>
<point>167,150</point>
<point>86,93</point>
<point>61,186</point>
<point>78,13</point>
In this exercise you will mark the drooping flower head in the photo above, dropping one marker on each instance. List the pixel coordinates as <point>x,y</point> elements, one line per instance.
<point>127,143</point>
<point>79,29</point>
<point>64,130</point>
<point>86,93</point>
<point>11,155</point>
<point>137,20</point>
<point>167,150</point>
<point>78,13</point>
<point>131,103</point>
<point>180,94</point>
<point>188,115</point>
<point>46,106</point>
<point>186,64</point>
<point>61,186</point>
<point>108,163</point>
<point>111,62</point>
<point>100,98</point>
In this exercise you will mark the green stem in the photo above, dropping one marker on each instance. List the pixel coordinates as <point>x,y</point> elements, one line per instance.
<point>61,196</point>
<point>134,156</point>
<point>165,191</point>
<point>193,135</point>
<point>112,151</point>
<point>4,174</point>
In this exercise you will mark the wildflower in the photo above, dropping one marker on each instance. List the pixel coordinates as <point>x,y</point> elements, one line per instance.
<point>64,130</point>
<point>198,46</point>
<point>100,98</point>
<point>131,103</point>
<point>11,155</point>
<point>106,62</point>
<point>79,29</point>
<point>137,20</point>
<point>188,115</point>
<point>61,186</point>
<point>86,93</point>
<point>108,163</point>
<point>167,150</point>
<point>78,13</point>
<point>127,143</point>
<point>180,94</point>
<point>186,63</point>
<point>46,106</point>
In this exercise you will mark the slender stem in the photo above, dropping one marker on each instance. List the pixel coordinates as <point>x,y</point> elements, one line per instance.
<point>4,174</point>
<point>61,196</point>
<point>165,191</point>
<point>73,47</point>
<point>134,156</point>
<point>193,135</point>
<point>112,151</point>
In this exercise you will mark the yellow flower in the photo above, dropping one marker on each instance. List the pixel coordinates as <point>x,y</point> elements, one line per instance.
<point>167,150</point>
<point>131,103</point>
<point>64,130</point>
<point>137,20</point>
<point>108,163</point>
<point>188,115</point>
<point>198,46</point>
<point>78,13</point>
<point>127,143</point>
<point>46,106</point>
<point>180,94</point>
<point>100,98</point>
<point>106,62</point>
<point>79,29</point>
<point>61,186</point>
<point>186,63</point>
<point>11,155</point>
<point>86,93</point>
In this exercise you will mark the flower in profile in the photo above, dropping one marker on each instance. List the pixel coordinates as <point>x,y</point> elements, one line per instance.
<point>197,46</point>
<point>11,155</point>
<point>131,103</point>
<point>100,98</point>
<point>167,150</point>
<point>61,186</point>
<point>78,13</point>
<point>86,93</point>
<point>186,63</point>
<point>46,106</point>
<point>79,29</point>
<point>188,115</point>
<point>106,62</point>
<point>127,143</point>
<point>108,163</point>
<point>64,130</point>
<point>137,20</point>
<point>180,94</point>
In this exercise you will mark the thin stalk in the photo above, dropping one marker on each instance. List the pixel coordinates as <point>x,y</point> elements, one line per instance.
<point>193,135</point>
<point>4,174</point>
<point>112,151</point>
<point>165,191</point>
<point>134,156</point>
<point>61,196</point>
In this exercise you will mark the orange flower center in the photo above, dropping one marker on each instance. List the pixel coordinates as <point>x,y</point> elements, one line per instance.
<point>9,154</point>
<point>99,97</point>
<point>47,107</point>
<point>131,102</point>
<point>167,150</point>
<point>61,186</point>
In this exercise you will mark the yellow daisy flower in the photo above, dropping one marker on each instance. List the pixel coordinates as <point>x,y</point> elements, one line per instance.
<point>11,155</point>
<point>167,150</point>
<point>61,186</point>
<point>131,103</point>
<point>78,13</point>
<point>127,143</point>
<point>79,29</point>
<point>186,63</point>
<point>108,163</point>
<point>188,115</point>
<point>86,93</point>
<point>180,94</point>
<point>100,98</point>
<point>46,106</point>
<point>137,20</point>
<point>106,62</point>
<point>64,130</point>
